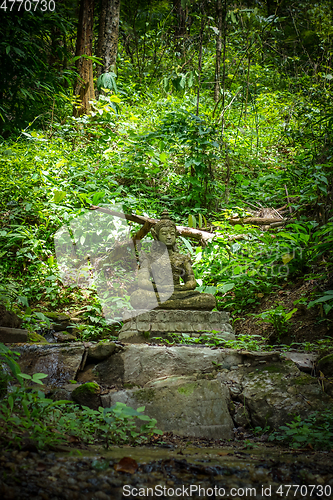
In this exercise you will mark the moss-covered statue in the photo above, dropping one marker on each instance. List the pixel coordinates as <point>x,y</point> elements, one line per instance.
<point>160,271</point>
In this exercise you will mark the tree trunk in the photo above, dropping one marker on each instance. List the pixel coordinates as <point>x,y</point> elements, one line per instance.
<point>203,20</point>
<point>85,84</point>
<point>108,33</point>
<point>219,12</point>
<point>180,28</point>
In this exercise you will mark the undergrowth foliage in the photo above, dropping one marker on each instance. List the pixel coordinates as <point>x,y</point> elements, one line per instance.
<point>30,419</point>
<point>315,431</point>
<point>156,139</point>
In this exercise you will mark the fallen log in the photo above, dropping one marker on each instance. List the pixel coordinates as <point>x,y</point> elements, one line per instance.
<point>258,221</point>
<point>148,223</point>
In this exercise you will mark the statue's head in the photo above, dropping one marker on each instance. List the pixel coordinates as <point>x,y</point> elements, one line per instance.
<point>165,230</point>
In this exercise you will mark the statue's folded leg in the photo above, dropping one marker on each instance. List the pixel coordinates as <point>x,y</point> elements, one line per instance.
<point>200,301</point>
<point>143,299</point>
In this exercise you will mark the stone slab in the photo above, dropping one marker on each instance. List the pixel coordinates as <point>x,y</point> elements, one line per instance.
<point>139,364</point>
<point>304,361</point>
<point>182,405</point>
<point>148,325</point>
<point>135,337</point>
<point>13,335</point>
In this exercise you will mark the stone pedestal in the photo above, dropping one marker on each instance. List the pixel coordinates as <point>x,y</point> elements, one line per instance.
<point>145,326</point>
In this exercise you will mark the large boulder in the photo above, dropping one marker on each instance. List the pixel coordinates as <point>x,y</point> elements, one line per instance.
<point>274,392</point>
<point>305,361</point>
<point>190,390</point>
<point>101,351</point>
<point>59,321</point>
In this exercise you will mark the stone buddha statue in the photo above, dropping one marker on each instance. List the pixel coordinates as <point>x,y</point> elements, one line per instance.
<point>161,271</point>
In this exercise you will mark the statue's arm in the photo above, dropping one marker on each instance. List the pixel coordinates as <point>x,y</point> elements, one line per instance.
<point>188,278</point>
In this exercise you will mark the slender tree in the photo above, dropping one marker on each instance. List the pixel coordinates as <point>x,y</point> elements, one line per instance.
<point>108,33</point>
<point>219,15</point>
<point>180,28</point>
<point>84,45</point>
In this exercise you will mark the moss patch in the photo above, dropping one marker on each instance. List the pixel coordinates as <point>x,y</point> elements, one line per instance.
<point>57,316</point>
<point>188,389</point>
<point>128,386</point>
<point>88,388</point>
<point>145,395</point>
<point>304,380</point>
<point>273,368</point>
<point>35,337</point>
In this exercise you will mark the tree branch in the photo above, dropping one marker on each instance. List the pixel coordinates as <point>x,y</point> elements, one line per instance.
<point>148,223</point>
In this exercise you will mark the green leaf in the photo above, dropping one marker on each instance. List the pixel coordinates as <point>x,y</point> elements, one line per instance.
<point>24,375</point>
<point>25,408</point>
<point>190,79</point>
<point>143,417</point>
<point>328,296</point>
<point>41,316</point>
<point>327,308</point>
<point>11,402</point>
<point>192,221</point>
<point>107,81</point>
<point>163,157</point>
<point>58,196</point>
<point>187,244</point>
<point>226,287</point>
<point>38,376</point>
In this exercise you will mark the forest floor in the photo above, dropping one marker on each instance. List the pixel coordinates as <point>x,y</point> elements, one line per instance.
<point>231,468</point>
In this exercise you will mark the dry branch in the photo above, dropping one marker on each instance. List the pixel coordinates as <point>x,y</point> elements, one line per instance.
<point>259,221</point>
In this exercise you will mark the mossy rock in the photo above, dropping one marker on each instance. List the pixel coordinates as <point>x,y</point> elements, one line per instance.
<point>101,351</point>
<point>64,337</point>
<point>54,316</point>
<point>87,394</point>
<point>34,337</point>
<point>325,365</point>
<point>87,388</point>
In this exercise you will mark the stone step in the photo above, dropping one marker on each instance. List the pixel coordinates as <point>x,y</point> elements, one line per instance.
<point>13,335</point>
